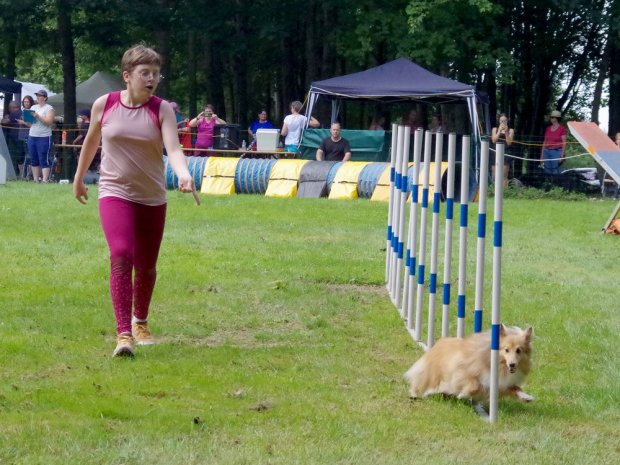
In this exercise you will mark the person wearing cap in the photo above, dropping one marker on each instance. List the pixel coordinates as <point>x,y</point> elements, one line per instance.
<point>40,137</point>
<point>554,145</point>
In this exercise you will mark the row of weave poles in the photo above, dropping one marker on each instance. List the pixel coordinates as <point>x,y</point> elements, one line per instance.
<point>405,270</point>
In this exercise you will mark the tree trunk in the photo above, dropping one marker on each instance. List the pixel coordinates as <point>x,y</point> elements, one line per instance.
<point>10,43</point>
<point>191,74</point>
<point>67,51</point>
<point>614,69</point>
<point>600,81</point>
<point>240,68</point>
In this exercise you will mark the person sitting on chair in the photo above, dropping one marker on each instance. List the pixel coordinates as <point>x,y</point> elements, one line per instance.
<point>334,147</point>
<point>260,123</point>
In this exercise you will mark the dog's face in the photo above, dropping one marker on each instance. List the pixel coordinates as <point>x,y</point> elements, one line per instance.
<point>515,345</point>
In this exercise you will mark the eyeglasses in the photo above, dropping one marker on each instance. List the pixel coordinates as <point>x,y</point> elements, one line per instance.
<point>145,75</point>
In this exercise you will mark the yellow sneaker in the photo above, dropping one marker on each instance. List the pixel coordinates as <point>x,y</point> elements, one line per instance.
<point>141,333</point>
<point>124,346</point>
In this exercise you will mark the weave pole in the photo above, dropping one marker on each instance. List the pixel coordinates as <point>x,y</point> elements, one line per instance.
<point>423,227</point>
<point>388,246</point>
<point>482,225</point>
<point>398,218</point>
<point>405,140</point>
<point>447,264</point>
<point>432,284</point>
<point>462,282</point>
<point>409,286</point>
<point>496,292</point>
<point>463,229</point>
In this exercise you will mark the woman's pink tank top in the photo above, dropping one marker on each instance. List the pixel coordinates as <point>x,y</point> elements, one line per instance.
<point>132,165</point>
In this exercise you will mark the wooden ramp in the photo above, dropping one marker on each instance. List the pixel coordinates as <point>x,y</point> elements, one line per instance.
<point>602,149</point>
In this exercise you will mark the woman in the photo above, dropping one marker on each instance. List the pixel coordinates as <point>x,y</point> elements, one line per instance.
<point>502,134</point>
<point>205,122</point>
<point>411,120</point>
<point>293,127</point>
<point>27,104</point>
<point>40,138</point>
<point>11,127</point>
<point>377,123</point>
<point>185,136</point>
<point>554,145</point>
<point>132,125</point>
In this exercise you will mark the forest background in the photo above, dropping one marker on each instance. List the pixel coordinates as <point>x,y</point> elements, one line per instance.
<point>530,57</point>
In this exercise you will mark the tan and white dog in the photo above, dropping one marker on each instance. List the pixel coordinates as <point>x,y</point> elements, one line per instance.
<point>461,367</point>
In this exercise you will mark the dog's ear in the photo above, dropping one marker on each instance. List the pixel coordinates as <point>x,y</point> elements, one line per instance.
<point>502,330</point>
<point>529,332</point>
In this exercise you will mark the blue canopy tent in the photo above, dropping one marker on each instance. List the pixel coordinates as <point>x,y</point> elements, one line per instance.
<point>395,81</point>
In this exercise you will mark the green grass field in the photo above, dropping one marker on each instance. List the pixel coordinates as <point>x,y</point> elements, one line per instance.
<point>278,343</point>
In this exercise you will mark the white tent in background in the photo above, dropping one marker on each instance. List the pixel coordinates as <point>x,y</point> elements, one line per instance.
<point>88,91</point>
<point>29,88</point>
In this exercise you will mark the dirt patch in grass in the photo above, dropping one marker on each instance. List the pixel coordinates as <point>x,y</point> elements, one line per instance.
<point>371,289</point>
<point>231,338</point>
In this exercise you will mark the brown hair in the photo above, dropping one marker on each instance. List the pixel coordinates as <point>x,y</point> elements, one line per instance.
<point>296,105</point>
<point>139,55</point>
<point>29,98</point>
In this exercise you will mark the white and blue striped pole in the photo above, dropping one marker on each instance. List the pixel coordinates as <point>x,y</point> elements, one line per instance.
<point>423,227</point>
<point>405,140</point>
<point>397,213</point>
<point>483,187</point>
<point>447,264</point>
<point>432,282</point>
<point>497,287</point>
<point>463,229</point>
<point>388,247</point>
<point>409,288</point>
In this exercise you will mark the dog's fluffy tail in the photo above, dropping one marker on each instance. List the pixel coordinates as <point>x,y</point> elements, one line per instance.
<point>414,376</point>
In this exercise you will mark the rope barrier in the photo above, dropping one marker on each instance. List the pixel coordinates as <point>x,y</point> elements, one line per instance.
<point>546,159</point>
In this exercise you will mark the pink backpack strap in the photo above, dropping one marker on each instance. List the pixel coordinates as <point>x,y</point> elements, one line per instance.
<point>113,100</point>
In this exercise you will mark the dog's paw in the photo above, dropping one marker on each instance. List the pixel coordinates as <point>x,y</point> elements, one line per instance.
<point>524,396</point>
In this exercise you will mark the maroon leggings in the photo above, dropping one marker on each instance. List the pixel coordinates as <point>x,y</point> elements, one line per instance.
<point>134,233</point>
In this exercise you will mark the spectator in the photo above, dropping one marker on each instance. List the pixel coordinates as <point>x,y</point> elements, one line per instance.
<point>11,127</point>
<point>334,147</point>
<point>205,122</point>
<point>133,125</point>
<point>185,135</point>
<point>377,123</point>
<point>260,123</point>
<point>436,124</point>
<point>177,114</point>
<point>501,134</point>
<point>27,104</point>
<point>40,138</point>
<point>411,120</point>
<point>554,146</point>
<point>83,125</point>
<point>294,125</point>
